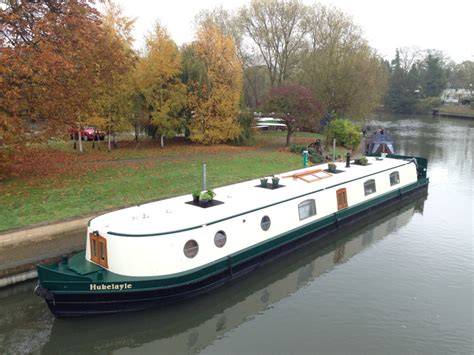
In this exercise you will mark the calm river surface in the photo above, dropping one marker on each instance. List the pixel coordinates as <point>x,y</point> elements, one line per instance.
<point>401,283</point>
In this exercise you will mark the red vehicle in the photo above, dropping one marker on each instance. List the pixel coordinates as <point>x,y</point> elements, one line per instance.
<point>88,134</point>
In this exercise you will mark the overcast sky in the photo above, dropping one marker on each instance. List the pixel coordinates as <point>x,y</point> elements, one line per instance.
<point>428,24</point>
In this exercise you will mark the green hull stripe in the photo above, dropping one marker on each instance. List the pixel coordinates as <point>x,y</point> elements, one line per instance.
<point>66,281</point>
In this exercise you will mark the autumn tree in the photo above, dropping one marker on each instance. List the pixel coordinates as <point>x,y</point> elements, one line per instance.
<point>54,54</point>
<point>296,105</point>
<point>158,75</point>
<point>215,101</point>
<point>339,67</point>
<point>277,29</point>
<point>114,94</point>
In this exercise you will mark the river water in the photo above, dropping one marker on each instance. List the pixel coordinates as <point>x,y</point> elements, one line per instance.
<point>401,283</point>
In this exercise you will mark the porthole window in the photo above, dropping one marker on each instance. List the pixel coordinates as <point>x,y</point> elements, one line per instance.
<point>191,248</point>
<point>307,209</point>
<point>369,187</point>
<point>265,223</point>
<point>220,239</point>
<point>394,178</point>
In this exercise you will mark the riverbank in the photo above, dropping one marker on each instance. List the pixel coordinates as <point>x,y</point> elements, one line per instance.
<point>21,250</point>
<point>455,112</point>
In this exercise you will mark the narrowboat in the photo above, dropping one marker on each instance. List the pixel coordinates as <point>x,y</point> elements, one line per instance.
<point>191,327</point>
<point>380,142</point>
<point>170,250</point>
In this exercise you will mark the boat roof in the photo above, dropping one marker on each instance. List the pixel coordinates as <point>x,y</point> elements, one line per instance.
<point>178,214</point>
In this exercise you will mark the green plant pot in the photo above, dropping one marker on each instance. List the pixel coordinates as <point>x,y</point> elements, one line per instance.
<point>275,182</point>
<point>263,182</point>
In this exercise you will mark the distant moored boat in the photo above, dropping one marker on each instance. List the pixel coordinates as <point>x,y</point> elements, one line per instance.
<point>380,142</point>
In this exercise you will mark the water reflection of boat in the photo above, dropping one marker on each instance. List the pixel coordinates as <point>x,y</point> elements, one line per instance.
<point>192,326</point>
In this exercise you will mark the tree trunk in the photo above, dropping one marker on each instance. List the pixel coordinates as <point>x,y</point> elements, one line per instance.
<point>162,142</point>
<point>81,149</point>
<point>136,132</point>
<point>114,141</point>
<point>288,137</point>
<point>109,143</point>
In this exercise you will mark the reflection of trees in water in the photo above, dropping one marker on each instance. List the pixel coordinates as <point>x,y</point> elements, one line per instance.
<point>339,253</point>
<point>447,140</point>
<point>220,324</point>
<point>192,339</point>
<point>368,237</point>
<point>305,275</point>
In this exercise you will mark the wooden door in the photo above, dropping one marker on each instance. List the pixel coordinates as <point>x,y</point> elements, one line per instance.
<point>98,249</point>
<point>341,198</point>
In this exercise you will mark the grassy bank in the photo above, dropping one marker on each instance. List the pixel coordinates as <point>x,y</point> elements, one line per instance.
<point>53,182</point>
<point>463,110</point>
<point>129,183</point>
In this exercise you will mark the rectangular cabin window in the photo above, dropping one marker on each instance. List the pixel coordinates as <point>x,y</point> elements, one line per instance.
<point>394,178</point>
<point>369,187</point>
<point>341,195</point>
<point>94,247</point>
<point>307,209</point>
<point>98,249</point>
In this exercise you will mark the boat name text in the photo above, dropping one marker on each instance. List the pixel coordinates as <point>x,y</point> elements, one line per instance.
<point>120,287</point>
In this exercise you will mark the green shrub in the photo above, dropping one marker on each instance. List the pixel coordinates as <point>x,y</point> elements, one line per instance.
<point>315,158</point>
<point>297,148</point>
<point>427,104</point>
<point>345,132</point>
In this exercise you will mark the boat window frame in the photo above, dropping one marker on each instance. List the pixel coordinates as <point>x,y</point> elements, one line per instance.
<point>98,248</point>
<point>265,223</point>
<point>392,175</point>
<point>366,185</point>
<point>216,243</point>
<point>185,250</point>
<point>341,197</point>
<point>311,202</point>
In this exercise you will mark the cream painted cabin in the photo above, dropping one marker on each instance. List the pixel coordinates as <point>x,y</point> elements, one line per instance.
<point>149,240</point>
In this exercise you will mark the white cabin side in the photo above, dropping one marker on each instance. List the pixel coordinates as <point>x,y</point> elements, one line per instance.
<point>141,256</point>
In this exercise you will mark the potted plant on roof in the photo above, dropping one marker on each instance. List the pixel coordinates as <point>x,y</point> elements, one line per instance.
<point>206,197</point>
<point>363,161</point>
<point>211,193</point>
<point>196,194</point>
<point>332,167</point>
<point>275,181</point>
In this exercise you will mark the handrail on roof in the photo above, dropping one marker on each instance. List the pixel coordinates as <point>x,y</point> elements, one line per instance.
<point>309,175</point>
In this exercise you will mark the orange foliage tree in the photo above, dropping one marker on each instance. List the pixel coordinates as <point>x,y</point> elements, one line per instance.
<point>53,55</point>
<point>215,102</point>
<point>158,81</point>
